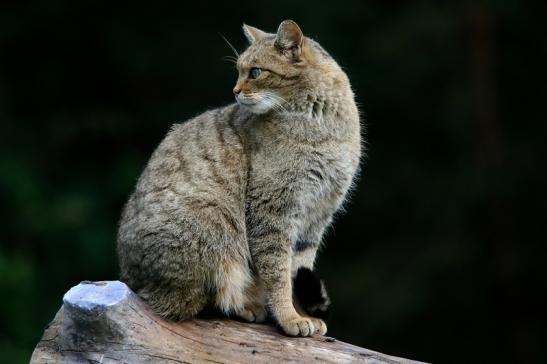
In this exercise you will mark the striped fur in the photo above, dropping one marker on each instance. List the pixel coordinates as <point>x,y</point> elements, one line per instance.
<point>218,212</point>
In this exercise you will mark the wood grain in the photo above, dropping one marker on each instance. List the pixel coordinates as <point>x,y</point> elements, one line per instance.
<point>105,322</point>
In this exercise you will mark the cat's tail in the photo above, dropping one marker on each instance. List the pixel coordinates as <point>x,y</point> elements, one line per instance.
<point>311,293</point>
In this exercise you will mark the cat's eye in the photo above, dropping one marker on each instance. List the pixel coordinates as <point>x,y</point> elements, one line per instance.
<point>255,72</point>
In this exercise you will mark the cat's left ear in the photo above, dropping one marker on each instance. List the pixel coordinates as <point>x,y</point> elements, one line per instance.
<point>290,39</point>
<point>253,34</point>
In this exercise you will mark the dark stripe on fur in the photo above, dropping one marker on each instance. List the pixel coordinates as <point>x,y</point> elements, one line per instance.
<point>301,245</point>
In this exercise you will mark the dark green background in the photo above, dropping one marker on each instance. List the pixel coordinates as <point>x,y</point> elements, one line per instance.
<point>441,254</point>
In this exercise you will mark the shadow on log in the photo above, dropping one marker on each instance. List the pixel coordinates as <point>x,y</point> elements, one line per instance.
<point>105,322</point>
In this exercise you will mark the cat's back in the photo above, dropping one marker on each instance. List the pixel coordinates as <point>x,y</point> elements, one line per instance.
<point>205,136</point>
<point>199,164</point>
<point>207,145</point>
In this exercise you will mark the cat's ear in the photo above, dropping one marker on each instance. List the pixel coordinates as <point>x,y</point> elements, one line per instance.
<point>253,34</point>
<point>289,39</point>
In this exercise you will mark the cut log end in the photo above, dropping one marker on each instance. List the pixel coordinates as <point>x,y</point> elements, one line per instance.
<point>96,296</point>
<point>105,322</point>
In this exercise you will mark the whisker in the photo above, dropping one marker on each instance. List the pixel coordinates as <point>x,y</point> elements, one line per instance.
<point>230,45</point>
<point>277,101</point>
<point>230,59</point>
<point>277,97</point>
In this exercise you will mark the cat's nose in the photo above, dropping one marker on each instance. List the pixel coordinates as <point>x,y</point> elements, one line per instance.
<point>237,90</point>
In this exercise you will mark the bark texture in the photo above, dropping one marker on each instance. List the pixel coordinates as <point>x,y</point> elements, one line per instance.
<point>105,322</point>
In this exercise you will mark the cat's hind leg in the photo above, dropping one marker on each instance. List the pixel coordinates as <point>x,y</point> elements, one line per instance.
<point>175,303</point>
<point>238,291</point>
<point>255,306</point>
<point>175,294</point>
<point>159,268</point>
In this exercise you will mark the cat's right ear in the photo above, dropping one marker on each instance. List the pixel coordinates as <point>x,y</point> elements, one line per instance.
<point>253,34</point>
<point>290,40</point>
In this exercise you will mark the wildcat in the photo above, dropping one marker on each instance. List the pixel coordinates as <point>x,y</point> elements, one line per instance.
<point>234,202</point>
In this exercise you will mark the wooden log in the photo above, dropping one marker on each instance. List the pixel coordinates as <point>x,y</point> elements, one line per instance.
<point>105,322</point>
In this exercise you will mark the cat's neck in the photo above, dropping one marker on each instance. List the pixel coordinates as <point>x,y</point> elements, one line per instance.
<point>327,112</point>
<point>324,114</point>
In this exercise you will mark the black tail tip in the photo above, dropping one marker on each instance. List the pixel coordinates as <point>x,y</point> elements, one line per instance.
<point>311,293</point>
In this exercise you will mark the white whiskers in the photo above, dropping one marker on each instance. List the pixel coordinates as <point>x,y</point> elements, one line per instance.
<point>277,102</point>
<point>230,59</point>
<point>261,102</point>
<point>230,45</point>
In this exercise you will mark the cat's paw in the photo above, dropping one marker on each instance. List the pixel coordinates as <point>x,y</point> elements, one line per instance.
<point>253,313</point>
<point>320,325</point>
<point>300,326</point>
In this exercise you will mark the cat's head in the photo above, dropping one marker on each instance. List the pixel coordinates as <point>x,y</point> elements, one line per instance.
<point>279,71</point>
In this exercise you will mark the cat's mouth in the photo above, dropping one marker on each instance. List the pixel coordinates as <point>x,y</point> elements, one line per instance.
<point>255,104</point>
<point>247,101</point>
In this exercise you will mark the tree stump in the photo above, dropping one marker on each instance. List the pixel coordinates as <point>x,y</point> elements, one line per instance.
<point>105,322</point>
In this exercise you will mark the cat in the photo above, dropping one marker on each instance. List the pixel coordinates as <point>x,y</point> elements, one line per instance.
<point>234,202</point>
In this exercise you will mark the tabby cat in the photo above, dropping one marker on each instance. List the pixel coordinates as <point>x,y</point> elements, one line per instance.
<point>234,202</point>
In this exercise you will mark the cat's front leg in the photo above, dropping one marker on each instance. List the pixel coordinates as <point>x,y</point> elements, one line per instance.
<point>271,253</point>
<point>310,292</point>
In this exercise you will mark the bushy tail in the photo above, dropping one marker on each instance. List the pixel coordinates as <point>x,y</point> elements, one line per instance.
<point>311,293</point>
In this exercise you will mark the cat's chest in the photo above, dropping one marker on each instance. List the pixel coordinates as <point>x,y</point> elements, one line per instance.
<point>312,176</point>
<point>308,173</point>
<point>322,175</point>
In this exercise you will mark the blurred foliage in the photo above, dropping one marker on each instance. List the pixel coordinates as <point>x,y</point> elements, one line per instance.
<point>440,254</point>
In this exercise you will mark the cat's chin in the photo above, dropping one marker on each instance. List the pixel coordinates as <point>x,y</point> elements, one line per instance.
<point>258,108</point>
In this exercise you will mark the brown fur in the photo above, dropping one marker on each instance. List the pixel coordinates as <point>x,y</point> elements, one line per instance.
<point>216,214</point>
